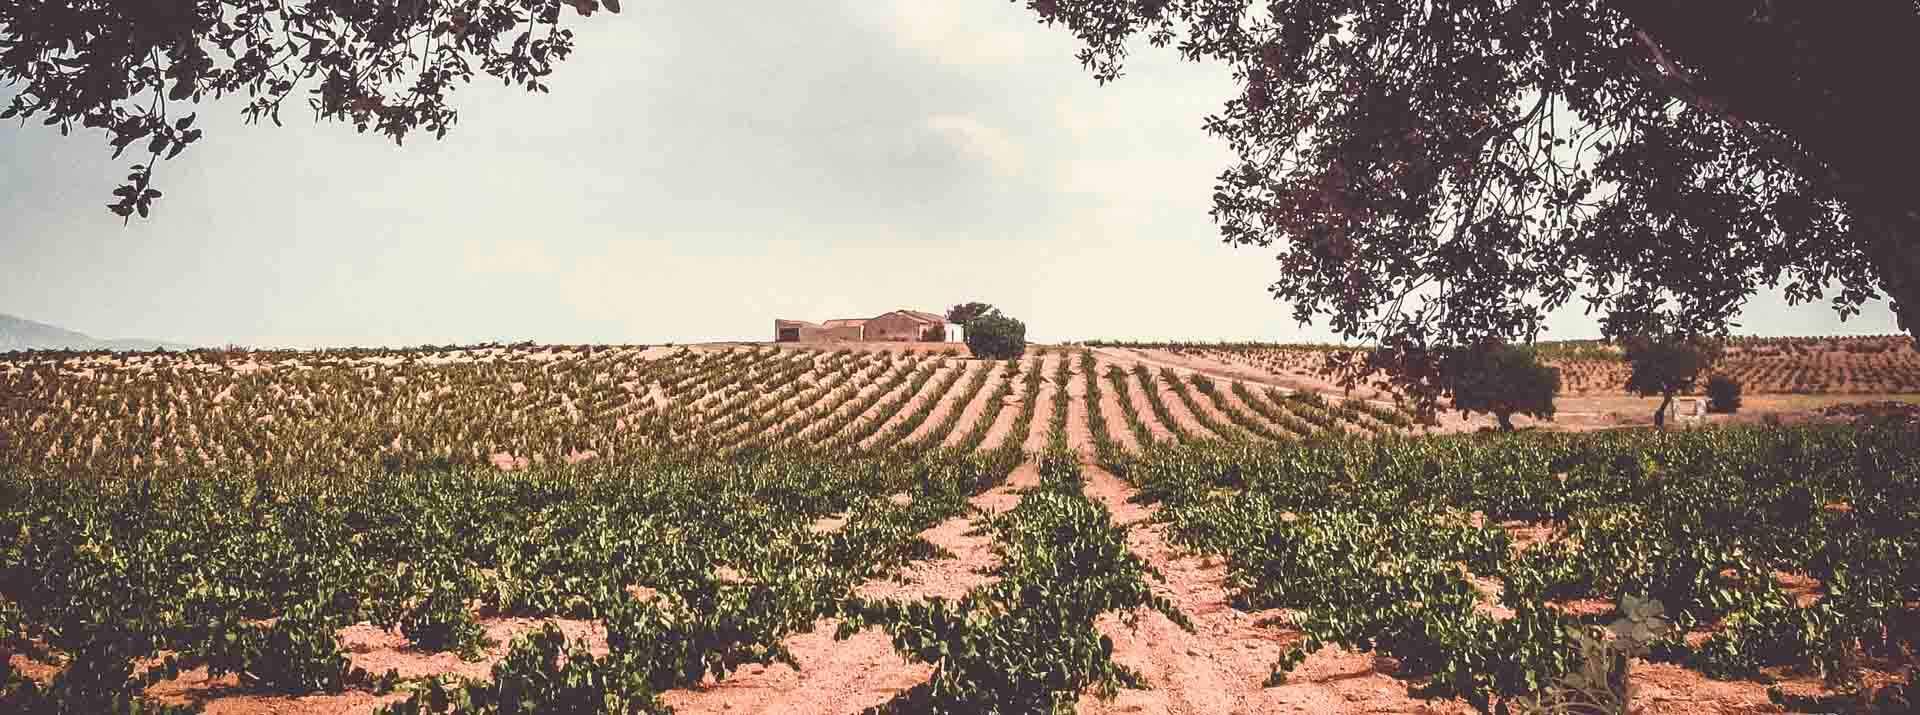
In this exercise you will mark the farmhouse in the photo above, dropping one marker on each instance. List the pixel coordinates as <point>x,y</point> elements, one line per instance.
<point>896,326</point>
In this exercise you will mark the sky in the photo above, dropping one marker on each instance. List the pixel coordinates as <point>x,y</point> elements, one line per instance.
<point>698,170</point>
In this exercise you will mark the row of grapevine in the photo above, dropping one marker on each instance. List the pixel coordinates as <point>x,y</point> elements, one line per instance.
<point>1381,544</point>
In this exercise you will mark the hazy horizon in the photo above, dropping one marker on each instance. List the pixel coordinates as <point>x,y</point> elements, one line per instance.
<point>697,172</point>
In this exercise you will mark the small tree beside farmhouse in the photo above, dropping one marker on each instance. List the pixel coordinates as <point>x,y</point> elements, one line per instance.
<point>965,312</point>
<point>1665,366</point>
<point>1503,380</point>
<point>996,337</point>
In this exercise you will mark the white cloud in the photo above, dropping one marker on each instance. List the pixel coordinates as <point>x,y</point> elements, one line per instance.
<point>980,140</point>
<point>955,33</point>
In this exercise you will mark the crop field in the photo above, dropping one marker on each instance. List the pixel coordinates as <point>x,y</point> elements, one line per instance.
<point>1869,365</point>
<point>709,529</point>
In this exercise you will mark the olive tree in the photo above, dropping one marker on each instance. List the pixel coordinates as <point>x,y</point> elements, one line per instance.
<point>1502,380</point>
<point>1443,173</point>
<point>1664,366</point>
<point>130,68</point>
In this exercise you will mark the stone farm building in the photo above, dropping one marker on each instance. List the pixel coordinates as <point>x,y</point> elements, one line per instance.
<point>897,326</point>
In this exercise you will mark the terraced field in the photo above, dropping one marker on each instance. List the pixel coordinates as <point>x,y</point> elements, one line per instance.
<point>780,529</point>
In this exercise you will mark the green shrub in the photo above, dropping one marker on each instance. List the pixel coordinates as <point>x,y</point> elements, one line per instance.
<point>997,337</point>
<point>1503,380</point>
<point>1723,395</point>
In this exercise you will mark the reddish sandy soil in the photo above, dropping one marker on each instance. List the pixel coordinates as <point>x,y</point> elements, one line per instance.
<point>1137,394</point>
<point>1209,409</point>
<point>949,401</point>
<point>869,409</point>
<point>1043,406</point>
<point>375,650</point>
<point>1079,431</point>
<point>1234,402</point>
<point>1221,666</point>
<point>974,409</point>
<point>1177,409</point>
<point>862,399</point>
<point>863,671</point>
<point>1000,431</point>
<point>914,403</point>
<point>1116,419</point>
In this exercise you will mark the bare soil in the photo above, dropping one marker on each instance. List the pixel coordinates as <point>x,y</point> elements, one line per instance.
<point>974,409</point>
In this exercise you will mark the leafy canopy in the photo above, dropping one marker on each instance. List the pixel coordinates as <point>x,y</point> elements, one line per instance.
<point>965,312</point>
<point>1666,365</point>
<point>127,68</point>
<point>1503,380</point>
<point>996,337</point>
<point>1444,173</point>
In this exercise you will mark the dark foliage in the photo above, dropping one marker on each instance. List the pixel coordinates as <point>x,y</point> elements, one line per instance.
<point>996,337</point>
<point>1503,380</point>
<point>1723,395</point>
<point>965,312</point>
<point>129,68</point>
<point>1663,366</point>
<point>1442,174</point>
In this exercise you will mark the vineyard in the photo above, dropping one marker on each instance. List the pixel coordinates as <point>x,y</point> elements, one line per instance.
<point>1786,366</point>
<point>512,529</point>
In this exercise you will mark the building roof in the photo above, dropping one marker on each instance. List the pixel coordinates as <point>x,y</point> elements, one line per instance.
<point>921,316</point>
<point>844,322</point>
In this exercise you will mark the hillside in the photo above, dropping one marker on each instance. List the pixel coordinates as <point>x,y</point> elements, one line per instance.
<point>17,333</point>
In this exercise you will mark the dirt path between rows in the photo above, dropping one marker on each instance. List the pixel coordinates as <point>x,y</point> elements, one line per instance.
<point>1177,409</point>
<point>864,671</point>
<point>1117,429</point>
<point>948,402</point>
<point>1137,394</point>
<point>1079,427</point>
<point>970,415</point>
<point>842,403</point>
<point>1233,401</point>
<point>913,404</point>
<point>1036,438</point>
<point>1222,666</point>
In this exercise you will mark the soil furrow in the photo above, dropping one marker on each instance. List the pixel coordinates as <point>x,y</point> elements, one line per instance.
<point>864,671</point>
<point>914,403</point>
<point>1116,418</point>
<point>1036,437</point>
<point>1177,408</point>
<point>977,407</point>
<point>948,402</point>
<point>1137,393</point>
<point>1079,427</point>
<point>1223,665</point>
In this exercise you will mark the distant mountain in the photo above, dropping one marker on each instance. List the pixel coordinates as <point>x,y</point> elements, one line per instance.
<point>18,333</point>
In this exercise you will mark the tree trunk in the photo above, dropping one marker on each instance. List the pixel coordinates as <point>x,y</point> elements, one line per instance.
<point>1660,414</point>
<point>1506,421</point>
<point>1818,73</point>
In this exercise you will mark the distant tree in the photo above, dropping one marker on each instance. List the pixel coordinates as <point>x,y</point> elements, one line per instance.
<point>1445,173</point>
<point>1665,365</point>
<point>1503,380</point>
<point>996,337</point>
<point>965,312</point>
<point>1723,395</point>
<point>121,66</point>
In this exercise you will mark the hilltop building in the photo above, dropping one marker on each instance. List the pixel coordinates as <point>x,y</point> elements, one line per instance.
<point>896,326</point>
